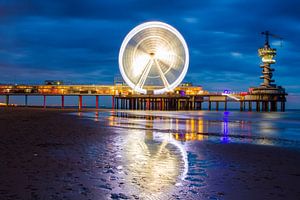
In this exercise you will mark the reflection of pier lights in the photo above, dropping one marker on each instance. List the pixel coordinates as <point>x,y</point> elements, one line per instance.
<point>225,137</point>
<point>149,129</point>
<point>193,130</point>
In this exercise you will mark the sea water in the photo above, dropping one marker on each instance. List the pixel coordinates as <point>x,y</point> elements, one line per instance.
<point>265,128</point>
<point>156,154</point>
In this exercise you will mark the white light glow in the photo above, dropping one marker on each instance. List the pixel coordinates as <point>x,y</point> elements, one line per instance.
<point>155,53</point>
<point>139,64</point>
<point>231,96</point>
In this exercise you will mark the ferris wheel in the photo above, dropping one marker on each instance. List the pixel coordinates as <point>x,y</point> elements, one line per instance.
<point>153,57</point>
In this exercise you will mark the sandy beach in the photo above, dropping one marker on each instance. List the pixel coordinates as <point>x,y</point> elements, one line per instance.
<point>50,154</point>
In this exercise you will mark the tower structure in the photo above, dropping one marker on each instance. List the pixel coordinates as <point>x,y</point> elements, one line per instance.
<point>267,55</point>
<point>268,93</point>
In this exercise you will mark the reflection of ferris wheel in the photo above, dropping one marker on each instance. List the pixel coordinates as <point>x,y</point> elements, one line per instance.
<point>153,56</point>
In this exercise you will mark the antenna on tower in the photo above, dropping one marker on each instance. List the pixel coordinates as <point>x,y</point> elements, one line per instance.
<point>268,34</point>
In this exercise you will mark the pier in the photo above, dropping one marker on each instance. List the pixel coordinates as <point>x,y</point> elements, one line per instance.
<point>182,98</point>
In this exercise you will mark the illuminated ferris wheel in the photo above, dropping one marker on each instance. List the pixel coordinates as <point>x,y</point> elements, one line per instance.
<point>153,57</point>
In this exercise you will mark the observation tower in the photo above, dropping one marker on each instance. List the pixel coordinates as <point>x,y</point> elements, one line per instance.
<point>268,91</point>
<point>267,55</point>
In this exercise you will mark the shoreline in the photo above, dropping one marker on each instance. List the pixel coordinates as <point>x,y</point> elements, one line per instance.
<point>50,155</point>
<point>93,108</point>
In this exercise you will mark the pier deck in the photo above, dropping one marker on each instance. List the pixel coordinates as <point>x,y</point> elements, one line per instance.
<point>123,97</point>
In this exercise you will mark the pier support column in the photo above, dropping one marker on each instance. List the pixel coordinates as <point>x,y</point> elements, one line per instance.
<point>225,105</point>
<point>265,106</point>
<point>151,104</point>
<point>147,104</point>
<point>121,103</point>
<point>80,102</point>
<point>44,105</point>
<point>116,102</point>
<point>257,106</point>
<point>282,107</point>
<point>250,105</point>
<point>241,105</point>
<point>138,103</point>
<point>62,101</point>
<point>193,103</point>
<point>209,105</point>
<point>113,102</point>
<point>97,102</point>
<point>154,104</point>
<point>26,100</point>
<point>133,103</point>
<point>274,105</point>
<point>187,104</point>
<point>7,100</point>
<point>217,105</point>
<point>142,104</point>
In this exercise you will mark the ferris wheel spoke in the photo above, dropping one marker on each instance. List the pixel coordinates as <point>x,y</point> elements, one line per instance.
<point>162,75</point>
<point>161,62</point>
<point>145,74</point>
<point>170,57</point>
<point>169,67</point>
<point>142,49</point>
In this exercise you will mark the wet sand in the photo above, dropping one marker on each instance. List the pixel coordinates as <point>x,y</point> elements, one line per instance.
<point>52,155</point>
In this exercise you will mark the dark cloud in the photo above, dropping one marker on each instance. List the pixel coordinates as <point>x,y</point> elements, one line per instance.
<point>74,39</point>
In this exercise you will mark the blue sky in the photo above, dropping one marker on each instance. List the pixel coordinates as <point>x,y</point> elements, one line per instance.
<point>78,41</point>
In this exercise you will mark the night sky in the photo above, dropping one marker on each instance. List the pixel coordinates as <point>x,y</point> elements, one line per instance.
<point>78,41</point>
